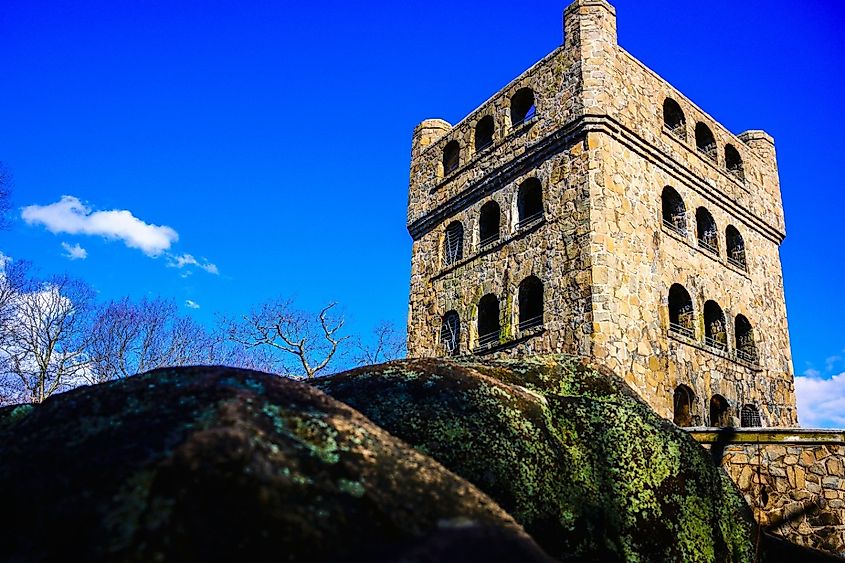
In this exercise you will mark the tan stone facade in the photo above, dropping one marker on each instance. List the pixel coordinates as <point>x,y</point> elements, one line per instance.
<point>600,137</point>
<point>794,480</point>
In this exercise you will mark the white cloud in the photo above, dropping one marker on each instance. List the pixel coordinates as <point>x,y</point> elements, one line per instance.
<point>183,260</point>
<point>74,252</point>
<point>71,216</point>
<point>821,401</point>
<point>191,304</point>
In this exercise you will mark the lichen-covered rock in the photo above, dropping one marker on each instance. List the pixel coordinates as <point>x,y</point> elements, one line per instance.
<point>216,464</point>
<point>588,469</point>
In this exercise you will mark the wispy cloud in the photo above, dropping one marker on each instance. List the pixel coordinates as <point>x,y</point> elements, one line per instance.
<point>180,261</point>
<point>821,401</point>
<point>191,304</point>
<point>74,252</point>
<point>69,215</point>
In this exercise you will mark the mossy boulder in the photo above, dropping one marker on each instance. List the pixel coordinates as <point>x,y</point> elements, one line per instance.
<point>216,464</point>
<point>567,448</point>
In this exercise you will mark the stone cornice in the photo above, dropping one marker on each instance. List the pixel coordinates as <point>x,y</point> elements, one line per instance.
<point>750,436</point>
<point>564,137</point>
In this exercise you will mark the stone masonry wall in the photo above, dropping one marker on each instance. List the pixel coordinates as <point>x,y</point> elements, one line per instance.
<point>793,479</point>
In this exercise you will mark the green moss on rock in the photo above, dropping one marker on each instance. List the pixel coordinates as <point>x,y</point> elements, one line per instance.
<point>568,449</point>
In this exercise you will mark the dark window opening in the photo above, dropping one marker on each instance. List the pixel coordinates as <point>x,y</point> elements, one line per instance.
<point>749,417</point>
<point>736,247</point>
<point>453,243</point>
<point>704,141</point>
<point>744,334</point>
<point>530,303</point>
<point>451,157</point>
<point>681,316</point>
<point>529,202</point>
<point>683,404</point>
<point>733,162</point>
<point>705,226</point>
<point>488,320</point>
<point>484,133</point>
<point>719,416</point>
<point>488,223</point>
<point>673,119</point>
<point>450,333</point>
<point>522,106</point>
<point>715,330</point>
<point>674,212</point>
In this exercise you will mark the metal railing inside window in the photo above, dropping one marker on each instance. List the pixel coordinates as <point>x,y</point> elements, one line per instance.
<point>709,151</point>
<point>713,343</point>
<point>678,129</point>
<point>489,338</point>
<point>489,240</point>
<point>703,243</point>
<point>749,356</point>
<point>682,330</point>
<point>484,146</point>
<point>676,224</point>
<point>529,115</point>
<point>531,323</point>
<point>530,220</point>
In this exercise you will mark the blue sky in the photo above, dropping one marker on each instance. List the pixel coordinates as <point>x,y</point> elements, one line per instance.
<point>273,139</point>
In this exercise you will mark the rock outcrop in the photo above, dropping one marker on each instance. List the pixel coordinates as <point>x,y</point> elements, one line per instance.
<point>588,469</point>
<point>216,464</point>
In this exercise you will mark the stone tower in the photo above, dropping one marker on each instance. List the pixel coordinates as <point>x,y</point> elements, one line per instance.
<point>590,208</point>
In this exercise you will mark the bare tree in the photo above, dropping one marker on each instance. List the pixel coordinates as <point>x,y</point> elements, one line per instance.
<point>132,337</point>
<point>43,341</point>
<point>301,342</point>
<point>387,343</point>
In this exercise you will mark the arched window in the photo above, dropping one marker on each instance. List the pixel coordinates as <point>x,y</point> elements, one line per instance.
<point>736,247</point>
<point>704,140</point>
<point>749,417</point>
<point>450,333</point>
<point>484,133</point>
<point>674,212</point>
<point>715,332</point>
<point>733,162</point>
<point>683,404</point>
<point>453,243</point>
<point>451,157</point>
<point>673,118</point>
<point>522,106</point>
<point>529,202</point>
<point>488,223</point>
<point>681,316</point>
<point>744,334</point>
<point>719,416</point>
<point>488,320</point>
<point>705,229</point>
<point>530,303</point>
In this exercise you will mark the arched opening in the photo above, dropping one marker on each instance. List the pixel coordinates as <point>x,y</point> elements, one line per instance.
<point>488,320</point>
<point>706,233</point>
<point>749,417</point>
<point>673,119</point>
<point>733,162</point>
<point>681,316</point>
<point>522,106</point>
<point>736,247</point>
<point>674,211</point>
<point>450,333</point>
<point>530,303</point>
<point>715,333</point>
<point>484,133</point>
<point>719,416</point>
<point>488,223</point>
<point>744,335</point>
<point>529,202</point>
<point>451,157</point>
<point>453,243</point>
<point>704,141</point>
<point>683,403</point>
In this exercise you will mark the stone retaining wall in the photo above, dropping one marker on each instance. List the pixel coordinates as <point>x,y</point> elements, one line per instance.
<point>794,479</point>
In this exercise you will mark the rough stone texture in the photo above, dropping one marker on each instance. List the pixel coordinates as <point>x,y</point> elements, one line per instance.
<point>599,147</point>
<point>216,464</point>
<point>569,450</point>
<point>793,479</point>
